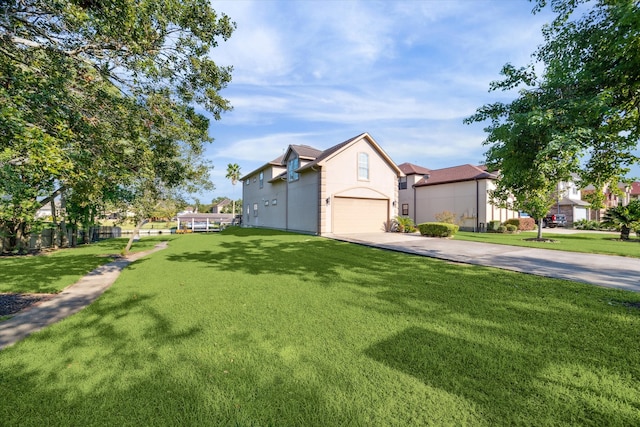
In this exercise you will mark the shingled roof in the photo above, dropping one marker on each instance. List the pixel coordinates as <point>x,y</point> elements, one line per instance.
<point>275,162</point>
<point>455,174</point>
<point>411,169</point>
<point>305,152</point>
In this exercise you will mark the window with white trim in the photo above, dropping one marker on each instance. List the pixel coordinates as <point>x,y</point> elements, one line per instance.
<point>261,179</point>
<point>363,166</point>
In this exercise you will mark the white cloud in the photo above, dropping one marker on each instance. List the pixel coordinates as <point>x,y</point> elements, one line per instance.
<point>408,72</point>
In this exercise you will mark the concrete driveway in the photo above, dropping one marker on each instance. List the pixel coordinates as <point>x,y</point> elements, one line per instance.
<point>603,270</point>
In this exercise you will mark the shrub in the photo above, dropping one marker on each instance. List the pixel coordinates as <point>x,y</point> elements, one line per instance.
<point>404,224</point>
<point>446,217</point>
<point>492,226</point>
<point>585,224</point>
<point>512,221</point>
<point>437,229</point>
<point>501,229</point>
<point>511,228</point>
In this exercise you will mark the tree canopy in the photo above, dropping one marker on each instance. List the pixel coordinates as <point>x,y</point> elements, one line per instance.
<point>581,115</point>
<point>98,100</point>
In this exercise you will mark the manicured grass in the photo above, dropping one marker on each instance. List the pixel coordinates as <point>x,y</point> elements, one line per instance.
<point>51,272</point>
<point>257,328</point>
<point>596,243</point>
<point>127,225</point>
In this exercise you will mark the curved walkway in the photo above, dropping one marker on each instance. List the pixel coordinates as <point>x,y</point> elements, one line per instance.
<point>71,300</point>
<point>602,270</point>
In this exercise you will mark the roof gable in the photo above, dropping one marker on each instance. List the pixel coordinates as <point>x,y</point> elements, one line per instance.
<point>331,152</point>
<point>304,152</point>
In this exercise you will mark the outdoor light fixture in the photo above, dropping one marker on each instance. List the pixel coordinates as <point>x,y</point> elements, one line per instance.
<point>328,200</point>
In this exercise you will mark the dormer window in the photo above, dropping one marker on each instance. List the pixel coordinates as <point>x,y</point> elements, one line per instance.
<point>292,165</point>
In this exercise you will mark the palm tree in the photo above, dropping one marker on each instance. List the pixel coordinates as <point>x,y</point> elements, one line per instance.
<point>624,218</point>
<point>233,173</point>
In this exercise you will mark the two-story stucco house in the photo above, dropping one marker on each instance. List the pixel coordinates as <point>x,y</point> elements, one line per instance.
<point>462,190</point>
<point>351,187</point>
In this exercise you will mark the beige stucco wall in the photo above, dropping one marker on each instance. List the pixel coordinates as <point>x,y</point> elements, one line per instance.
<point>341,179</point>
<point>464,199</point>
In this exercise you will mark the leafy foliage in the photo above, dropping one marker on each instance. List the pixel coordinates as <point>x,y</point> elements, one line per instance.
<point>404,224</point>
<point>623,218</point>
<point>438,229</point>
<point>446,217</point>
<point>580,116</point>
<point>233,174</point>
<point>97,102</point>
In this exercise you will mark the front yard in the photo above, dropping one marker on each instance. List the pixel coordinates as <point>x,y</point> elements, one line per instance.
<point>586,242</point>
<point>259,327</point>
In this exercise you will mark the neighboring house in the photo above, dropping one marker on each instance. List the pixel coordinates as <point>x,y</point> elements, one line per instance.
<point>220,206</point>
<point>462,190</point>
<point>634,191</point>
<point>412,174</point>
<point>45,211</point>
<point>571,203</point>
<point>349,188</point>
<point>626,193</point>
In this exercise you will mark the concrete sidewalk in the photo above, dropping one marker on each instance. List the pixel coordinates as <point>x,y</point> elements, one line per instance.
<point>602,270</point>
<point>71,300</point>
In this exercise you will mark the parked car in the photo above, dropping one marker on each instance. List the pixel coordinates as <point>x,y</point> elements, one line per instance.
<point>555,220</point>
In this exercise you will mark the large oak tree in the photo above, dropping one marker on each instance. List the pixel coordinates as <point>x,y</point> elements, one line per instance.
<point>582,113</point>
<point>98,98</point>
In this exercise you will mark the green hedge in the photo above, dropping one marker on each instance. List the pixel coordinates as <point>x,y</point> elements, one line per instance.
<point>492,226</point>
<point>437,229</point>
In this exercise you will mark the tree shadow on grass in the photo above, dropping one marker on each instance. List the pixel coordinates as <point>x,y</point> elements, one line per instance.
<point>506,386</point>
<point>52,272</point>
<point>300,256</point>
<point>125,363</point>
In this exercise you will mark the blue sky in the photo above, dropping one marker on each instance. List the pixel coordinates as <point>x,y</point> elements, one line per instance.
<point>407,72</point>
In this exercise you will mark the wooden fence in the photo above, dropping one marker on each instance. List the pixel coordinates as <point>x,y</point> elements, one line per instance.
<point>44,239</point>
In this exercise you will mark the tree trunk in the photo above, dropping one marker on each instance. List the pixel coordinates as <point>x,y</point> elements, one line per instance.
<point>136,232</point>
<point>540,228</point>
<point>54,229</point>
<point>64,240</point>
<point>624,232</point>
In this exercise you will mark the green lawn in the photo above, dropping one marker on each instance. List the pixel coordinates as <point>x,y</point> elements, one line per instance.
<point>587,242</point>
<point>257,328</point>
<point>54,271</point>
